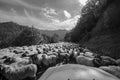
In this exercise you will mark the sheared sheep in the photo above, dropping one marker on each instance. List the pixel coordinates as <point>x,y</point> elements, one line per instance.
<point>15,72</point>
<point>106,61</point>
<point>84,61</point>
<point>114,70</point>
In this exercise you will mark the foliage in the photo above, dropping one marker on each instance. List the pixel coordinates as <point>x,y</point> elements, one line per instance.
<point>90,15</point>
<point>99,27</point>
<point>12,34</point>
<point>8,32</point>
<point>29,36</point>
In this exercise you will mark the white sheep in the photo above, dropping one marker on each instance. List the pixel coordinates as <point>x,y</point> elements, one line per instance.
<point>21,61</point>
<point>49,60</point>
<point>15,72</point>
<point>45,60</point>
<point>54,59</point>
<point>2,61</point>
<point>64,57</point>
<point>114,70</point>
<point>84,60</point>
<point>37,59</point>
<point>75,54</point>
<point>52,53</point>
<point>89,54</point>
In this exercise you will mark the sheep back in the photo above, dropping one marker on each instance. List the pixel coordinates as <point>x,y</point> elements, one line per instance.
<point>84,60</point>
<point>15,72</point>
<point>114,70</point>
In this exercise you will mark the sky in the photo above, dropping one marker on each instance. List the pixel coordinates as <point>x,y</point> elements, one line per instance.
<point>42,14</point>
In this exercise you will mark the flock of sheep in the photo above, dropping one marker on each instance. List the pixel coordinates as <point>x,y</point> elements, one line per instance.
<point>21,63</point>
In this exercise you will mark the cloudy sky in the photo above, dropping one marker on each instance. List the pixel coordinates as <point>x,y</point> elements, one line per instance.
<point>42,14</point>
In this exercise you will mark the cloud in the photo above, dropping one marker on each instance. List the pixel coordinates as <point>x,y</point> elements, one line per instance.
<point>13,11</point>
<point>27,20</point>
<point>38,23</point>
<point>24,12</point>
<point>50,11</point>
<point>9,16</point>
<point>67,14</point>
<point>51,14</point>
<point>67,24</point>
<point>70,23</point>
<point>22,3</point>
<point>83,2</point>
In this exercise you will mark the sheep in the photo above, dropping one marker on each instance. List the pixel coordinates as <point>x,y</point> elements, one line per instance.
<point>45,61</point>
<point>54,59</point>
<point>37,59</point>
<point>114,70</point>
<point>27,53</point>
<point>15,72</point>
<point>89,54</point>
<point>2,61</point>
<point>4,57</point>
<point>106,61</point>
<point>9,60</point>
<point>75,54</point>
<point>49,59</point>
<point>97,62</point>
<point>118,62</point>
<point>33,49</point>
<point>17,51</point>
<point>24,59</point>
<point>21,61</point>
<point>64,57</point>
<point>85,61</point>
<point>72,56</point>
<point>39,50</point>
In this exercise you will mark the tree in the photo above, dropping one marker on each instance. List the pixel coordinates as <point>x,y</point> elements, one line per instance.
<point>29,36</point>
<point>90,15</point>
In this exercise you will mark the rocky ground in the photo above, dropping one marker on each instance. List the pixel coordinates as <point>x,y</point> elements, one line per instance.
<point>45,56</point>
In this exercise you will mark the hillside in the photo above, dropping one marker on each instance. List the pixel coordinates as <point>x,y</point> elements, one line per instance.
<point>8,32</point>
<point>13,34</point>
<point>99,26</point>
<point>105,36</point>
<point>60,33</point>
